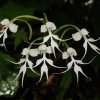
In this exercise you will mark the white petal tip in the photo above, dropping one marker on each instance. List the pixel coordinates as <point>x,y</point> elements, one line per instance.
<point>5,22</point>
<point>13,27</point>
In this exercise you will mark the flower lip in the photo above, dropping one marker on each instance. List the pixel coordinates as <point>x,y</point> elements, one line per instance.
<point>71,51</point>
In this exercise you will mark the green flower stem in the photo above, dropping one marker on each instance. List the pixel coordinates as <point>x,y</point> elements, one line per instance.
<point>29,26</point>
<point>45,17</point>
<point>64,33</point>
<point>65,26</point>
<point>28,16</point>
<point>40,38</point>
<point>66,44</point>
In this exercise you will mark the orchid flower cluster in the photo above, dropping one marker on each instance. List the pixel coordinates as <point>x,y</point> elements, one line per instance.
<point>48,46</point>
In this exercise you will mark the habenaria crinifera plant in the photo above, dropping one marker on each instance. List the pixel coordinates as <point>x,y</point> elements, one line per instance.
<point>48,45</point>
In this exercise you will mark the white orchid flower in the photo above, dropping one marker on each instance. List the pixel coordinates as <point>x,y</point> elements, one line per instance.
<point>5,25</point>
<point>71,52</point>
<point>25,63</point>
<point>40,50</point>
<point>43,49</point>
<point>88,41</point>
<point>50,26</point>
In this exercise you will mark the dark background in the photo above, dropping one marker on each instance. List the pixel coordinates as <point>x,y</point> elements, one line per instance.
<point>61,87</point>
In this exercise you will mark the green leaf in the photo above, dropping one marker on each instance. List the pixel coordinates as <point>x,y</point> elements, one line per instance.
<point>64,85</point>
<point>29,26</point>
<point>19,37</point>
<point>8,86</point>
<point>5,66</point>
<point>29,73</point>
<point>4,55</point>
<point>11,10</point>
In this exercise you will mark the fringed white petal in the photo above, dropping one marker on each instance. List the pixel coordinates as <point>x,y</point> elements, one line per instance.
<point>95,48</point>
<point>30,64</point>
<point>93,40</point>
<point>45,39</point>
<point>13,27</point>
<point>50,62</point>
<point>55,37</point>
<point>38,62</point>
<point>69,65</point>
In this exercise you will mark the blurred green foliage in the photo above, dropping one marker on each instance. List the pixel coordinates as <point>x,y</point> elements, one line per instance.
<point>20,37</point>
